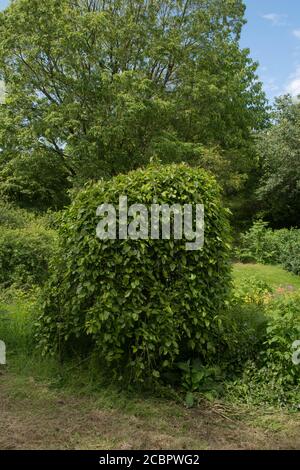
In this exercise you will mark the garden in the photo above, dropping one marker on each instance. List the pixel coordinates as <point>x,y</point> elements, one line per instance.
<point>134,343</point>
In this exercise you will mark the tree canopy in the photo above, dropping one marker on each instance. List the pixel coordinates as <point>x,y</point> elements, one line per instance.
<point>278,147</point>
<point>98,87</point>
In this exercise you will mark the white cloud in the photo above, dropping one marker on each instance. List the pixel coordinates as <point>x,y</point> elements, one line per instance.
<point>275,19</point>
<point>293,86</point>
<point>296,33</point>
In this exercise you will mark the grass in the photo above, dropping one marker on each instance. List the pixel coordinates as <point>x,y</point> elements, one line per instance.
<point>39,412</point>
<point>16,309</point>
<point>275,276</point>
<point>48,405</point>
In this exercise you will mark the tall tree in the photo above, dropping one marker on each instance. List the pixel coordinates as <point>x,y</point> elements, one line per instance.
<point>279,151</point>
<point>97,87</point>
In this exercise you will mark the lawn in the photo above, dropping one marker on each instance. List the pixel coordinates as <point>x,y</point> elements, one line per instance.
<point>275,276</point>
<point>37,413</point>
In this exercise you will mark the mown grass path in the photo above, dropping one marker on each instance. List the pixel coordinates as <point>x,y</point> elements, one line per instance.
<point>35,416</point>
<point>275,276</point>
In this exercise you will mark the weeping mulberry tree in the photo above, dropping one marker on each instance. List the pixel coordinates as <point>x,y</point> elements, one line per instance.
<point>140,304</point>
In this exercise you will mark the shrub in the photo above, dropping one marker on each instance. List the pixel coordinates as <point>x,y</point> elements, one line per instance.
<point>140,303</point>
<point>258,245</point>
<point>252,290</point>
<point>245,329</point>
<point>283,329</point>
<point>39,182</point>
<point>258,386</point>
<point>24,254</point>
<point>14,217</point>
<point>198,378</point>
<point>264,245</point>
<point>289,246</point>
<point>268,373</point>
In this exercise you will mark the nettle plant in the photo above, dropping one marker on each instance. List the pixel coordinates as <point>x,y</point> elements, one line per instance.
<point>141,304</point>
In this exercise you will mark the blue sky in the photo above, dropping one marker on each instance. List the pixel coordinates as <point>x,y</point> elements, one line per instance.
<point>273,36</point>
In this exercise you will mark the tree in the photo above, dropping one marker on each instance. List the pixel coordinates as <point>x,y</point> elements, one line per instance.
<point>140,304</point>
<point>103,85</point>
<point>278,147</point>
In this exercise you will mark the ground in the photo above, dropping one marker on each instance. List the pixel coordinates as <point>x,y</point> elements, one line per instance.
<point>34,416</point>
<point>38,412</point>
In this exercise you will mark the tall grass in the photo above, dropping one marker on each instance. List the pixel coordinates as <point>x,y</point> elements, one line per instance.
<point>17,311</point>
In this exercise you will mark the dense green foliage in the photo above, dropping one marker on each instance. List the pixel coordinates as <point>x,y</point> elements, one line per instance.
<point>272,377</point>
<point>14,217</point>
<point>245,328</point>
<point>141,302</point>
<point>282,331</point>
<point>258,244</point>
<point>278,148</point>
<point>17,314</point>
<point>263,328</point>
<point>37,181</point>
<point>264,245</point>
<point>26,245</point>
<point>97,87</point>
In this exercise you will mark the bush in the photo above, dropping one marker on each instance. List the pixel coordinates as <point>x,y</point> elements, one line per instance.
<point>140,303</point>
<point>198,378</point>
<point>289,245</point>
<point>267,371</point>
<point>14,217</point>
<point>264,245</point>
<point>252,290</point>
<point>258,245</point>
<point>283,329</point>
<point>245,329</point>
<point>24,254</point>
<point>39,182</point>
<point>258,386</point>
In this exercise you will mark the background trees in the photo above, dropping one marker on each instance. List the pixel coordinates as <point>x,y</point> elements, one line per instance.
<point>278,147</point>
<point>98,87</point>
